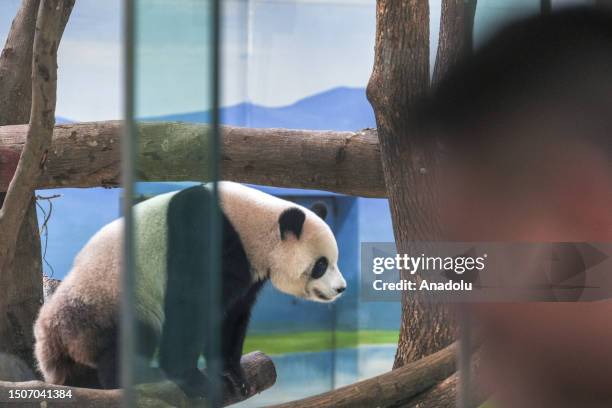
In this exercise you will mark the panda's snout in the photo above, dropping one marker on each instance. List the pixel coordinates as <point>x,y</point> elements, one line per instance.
<point>339,285</point>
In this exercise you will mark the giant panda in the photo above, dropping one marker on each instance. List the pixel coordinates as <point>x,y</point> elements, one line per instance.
<point>263,238</point>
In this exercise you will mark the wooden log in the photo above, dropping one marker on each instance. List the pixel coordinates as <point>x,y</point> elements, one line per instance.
<point>442,395</point>
<point>258,367</point>
<point>445,394</point>
<point>390,389</point>
<point>87,155</point>
<point>12,368</point>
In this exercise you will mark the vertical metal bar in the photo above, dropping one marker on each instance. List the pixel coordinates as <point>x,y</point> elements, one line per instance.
<point>335,311</point>
<point>127,159</point>
<point>465,328</point>
<point>464,359</point>
<point>214,366</point>
<point>469,15</point>
<point>334,348</point>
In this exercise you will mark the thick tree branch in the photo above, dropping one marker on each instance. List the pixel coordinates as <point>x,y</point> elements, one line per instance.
<point>258,368</point>
<point>390,389</point>
<point>21,284</point>
<point>42,119</point>
<point>15,81</point>
<point>21,281</point>
<point>87,155</point>
<point>455,38</point>
<point>17,54</point>
<point>444,394</point>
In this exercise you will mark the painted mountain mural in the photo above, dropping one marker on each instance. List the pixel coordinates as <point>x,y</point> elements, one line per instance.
<point>337,109</point>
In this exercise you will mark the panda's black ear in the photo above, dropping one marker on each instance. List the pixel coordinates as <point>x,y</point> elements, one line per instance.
<point>291,221</point>
<point>320,209</point>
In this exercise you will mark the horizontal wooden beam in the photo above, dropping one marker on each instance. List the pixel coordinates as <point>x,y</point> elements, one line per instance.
<point>88,155</point>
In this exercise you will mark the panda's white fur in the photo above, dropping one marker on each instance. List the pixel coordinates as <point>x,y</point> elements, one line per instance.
<point>255,214</point>
<point>74,325</point>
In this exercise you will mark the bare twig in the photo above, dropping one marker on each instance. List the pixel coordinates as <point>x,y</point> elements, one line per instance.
<point>44,228</point>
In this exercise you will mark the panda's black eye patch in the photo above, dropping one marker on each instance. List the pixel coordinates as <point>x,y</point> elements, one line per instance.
<point>319,268</point>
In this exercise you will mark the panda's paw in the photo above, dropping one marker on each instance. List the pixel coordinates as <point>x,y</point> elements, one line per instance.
<point>194,384</point>
<point>236,381</point>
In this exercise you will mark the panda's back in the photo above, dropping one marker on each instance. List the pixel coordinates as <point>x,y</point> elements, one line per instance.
<point>150,247</point>
<point>94,280</point>
<point>95,276</point>
<point>170,238</point>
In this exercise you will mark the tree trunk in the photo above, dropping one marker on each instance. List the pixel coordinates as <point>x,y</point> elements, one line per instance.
<point>399,79</point>
<point>22,283</point>
<point>456,35</point>
<point>21,280</point>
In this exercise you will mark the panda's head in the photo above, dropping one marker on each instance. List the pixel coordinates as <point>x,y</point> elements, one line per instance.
<point>305,261</point>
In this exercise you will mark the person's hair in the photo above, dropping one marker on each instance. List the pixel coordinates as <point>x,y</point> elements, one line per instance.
<point>559,62</point>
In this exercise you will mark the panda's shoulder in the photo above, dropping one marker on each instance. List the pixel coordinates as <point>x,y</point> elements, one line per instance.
<point>236,193</point>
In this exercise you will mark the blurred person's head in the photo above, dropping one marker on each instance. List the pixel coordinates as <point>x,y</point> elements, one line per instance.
<point>525,127</point>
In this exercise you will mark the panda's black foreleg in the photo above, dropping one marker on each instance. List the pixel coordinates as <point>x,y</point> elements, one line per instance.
<point>107,358</point>
<point>181,346</point>
<point>147,340</point>
<point>234,331</point>
<point>178,358</point>
<point>108,369</point>
<point>185,307</point>
<point>183,333</point>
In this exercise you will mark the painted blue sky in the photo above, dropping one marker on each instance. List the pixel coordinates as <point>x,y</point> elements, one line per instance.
<point>318,53</point>
<point>89,66</point>
<point>275,52</point>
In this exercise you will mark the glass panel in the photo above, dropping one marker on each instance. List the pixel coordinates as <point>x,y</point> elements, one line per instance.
<point>174,288</point>
<point>302,65</point>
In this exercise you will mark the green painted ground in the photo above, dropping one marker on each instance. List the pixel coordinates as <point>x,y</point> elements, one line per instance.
<point>280,343</point>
